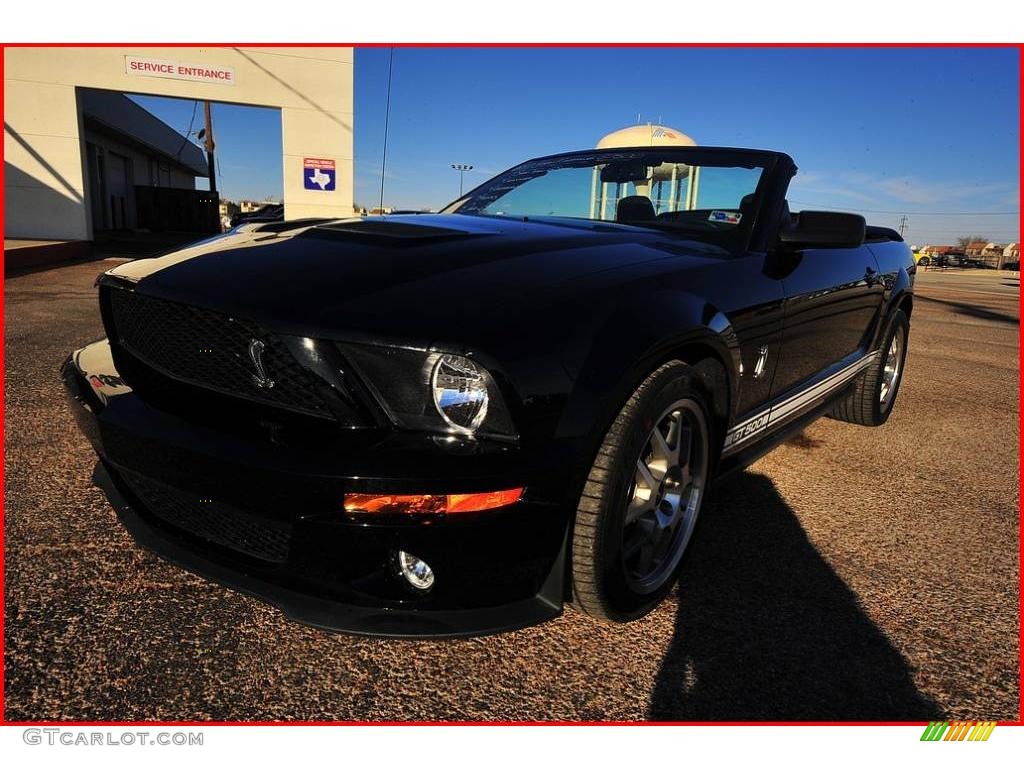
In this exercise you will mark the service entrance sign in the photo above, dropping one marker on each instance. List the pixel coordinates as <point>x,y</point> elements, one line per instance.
<point>318,173</point>
<point>178,70</point>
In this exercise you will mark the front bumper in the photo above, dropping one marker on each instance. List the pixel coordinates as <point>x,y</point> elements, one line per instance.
<point>262,513</point>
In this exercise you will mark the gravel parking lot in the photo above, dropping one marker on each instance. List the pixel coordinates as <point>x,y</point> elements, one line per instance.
<point>852,574</point>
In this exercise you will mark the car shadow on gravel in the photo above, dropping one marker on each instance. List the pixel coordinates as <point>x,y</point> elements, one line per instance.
<point>969,309</point>
<point>766,630</point>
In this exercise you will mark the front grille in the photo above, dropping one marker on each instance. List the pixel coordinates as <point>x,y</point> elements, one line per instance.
<point>210,520</point>
<point>151,456</point>
<point>210,350</point>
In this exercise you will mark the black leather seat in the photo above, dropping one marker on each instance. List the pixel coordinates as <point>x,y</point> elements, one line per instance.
<point>635,208</point>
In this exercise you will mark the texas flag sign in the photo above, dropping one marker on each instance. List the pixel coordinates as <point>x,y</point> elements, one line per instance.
<point>318,174</point>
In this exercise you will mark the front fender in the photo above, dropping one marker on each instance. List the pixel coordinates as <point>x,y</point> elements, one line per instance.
<point>897,268</point>
<point>636,336</point>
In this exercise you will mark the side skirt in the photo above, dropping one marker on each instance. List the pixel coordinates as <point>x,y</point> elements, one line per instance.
<point>751,452</point>
<point>756,434</point>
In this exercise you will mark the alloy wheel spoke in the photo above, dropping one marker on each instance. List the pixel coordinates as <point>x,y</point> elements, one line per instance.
<point>665,452</point>
<point>645,478</point>
<point>639,505</point>
<point>647,554</point>
<point>643,533</point>
<point>686,477</point>
<point>684,446</point>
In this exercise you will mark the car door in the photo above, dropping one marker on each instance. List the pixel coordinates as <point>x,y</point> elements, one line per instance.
<point>832,300</point>
<point>754,305</point>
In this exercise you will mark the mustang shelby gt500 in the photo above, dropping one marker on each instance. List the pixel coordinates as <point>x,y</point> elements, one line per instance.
<point>454,424</point>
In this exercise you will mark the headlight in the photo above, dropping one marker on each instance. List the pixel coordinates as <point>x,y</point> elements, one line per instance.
<point>432,391</point>
<point>460,391</point>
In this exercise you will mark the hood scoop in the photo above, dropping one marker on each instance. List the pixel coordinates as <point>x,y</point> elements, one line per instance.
<point>387,233</point>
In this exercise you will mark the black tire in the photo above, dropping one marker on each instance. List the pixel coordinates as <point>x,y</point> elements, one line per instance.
<point>603,582</point>
<point>865,404</point>
<point>924,261</point>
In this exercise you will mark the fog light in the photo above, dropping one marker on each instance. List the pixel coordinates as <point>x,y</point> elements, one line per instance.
<point>415,571</point>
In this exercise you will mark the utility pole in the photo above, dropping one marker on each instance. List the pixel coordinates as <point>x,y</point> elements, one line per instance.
<point>387,118</point>
<point>903,225</point>
<point>461,168</point>
<point>207,136</point>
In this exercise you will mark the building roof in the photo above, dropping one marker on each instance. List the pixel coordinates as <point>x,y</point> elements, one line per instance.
<point>115,112</point>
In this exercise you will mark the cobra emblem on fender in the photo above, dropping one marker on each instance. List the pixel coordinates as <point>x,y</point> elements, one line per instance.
<point>260,378</point>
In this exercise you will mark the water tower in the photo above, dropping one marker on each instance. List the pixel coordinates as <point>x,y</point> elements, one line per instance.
<point>670,186</point>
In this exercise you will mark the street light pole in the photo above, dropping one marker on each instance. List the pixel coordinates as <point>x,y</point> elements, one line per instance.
<point>461,168</point>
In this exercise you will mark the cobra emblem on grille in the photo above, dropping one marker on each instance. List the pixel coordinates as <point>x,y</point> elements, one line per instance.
<point>260,378</point>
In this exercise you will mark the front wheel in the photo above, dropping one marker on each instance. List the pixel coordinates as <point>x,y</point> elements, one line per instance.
<point>642,497</point>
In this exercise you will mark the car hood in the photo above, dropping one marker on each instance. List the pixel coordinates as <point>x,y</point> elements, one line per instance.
<point>398,275</point>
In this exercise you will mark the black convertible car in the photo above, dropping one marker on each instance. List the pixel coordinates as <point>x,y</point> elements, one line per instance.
<point>454,424</point>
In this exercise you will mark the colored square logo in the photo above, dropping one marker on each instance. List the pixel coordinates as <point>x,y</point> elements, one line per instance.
<point>318,174</point>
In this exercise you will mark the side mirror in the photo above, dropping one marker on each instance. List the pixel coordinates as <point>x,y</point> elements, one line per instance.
<point>823,229</point>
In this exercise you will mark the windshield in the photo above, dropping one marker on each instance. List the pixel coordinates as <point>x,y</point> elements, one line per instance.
<point>705,196</point>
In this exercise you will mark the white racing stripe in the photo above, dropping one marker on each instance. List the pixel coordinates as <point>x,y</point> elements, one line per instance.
<point>750,427</point>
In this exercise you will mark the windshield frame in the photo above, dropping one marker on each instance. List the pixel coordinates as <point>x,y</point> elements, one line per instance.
<point>776,170</point>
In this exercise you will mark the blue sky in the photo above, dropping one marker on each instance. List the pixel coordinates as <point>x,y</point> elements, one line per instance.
<point>912,131</point>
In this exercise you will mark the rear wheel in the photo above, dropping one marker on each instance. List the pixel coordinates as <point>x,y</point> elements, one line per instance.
<point>873,395</point>
<point>642,497</point>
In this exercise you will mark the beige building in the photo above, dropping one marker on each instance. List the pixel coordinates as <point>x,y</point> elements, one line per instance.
<point>975,250</point>
<point>47,189</point>
<point>248,206</point>
<point>992,255</point>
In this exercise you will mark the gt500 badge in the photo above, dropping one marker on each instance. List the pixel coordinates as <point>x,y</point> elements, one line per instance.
<point>726,217</point>
<point>739,434</point>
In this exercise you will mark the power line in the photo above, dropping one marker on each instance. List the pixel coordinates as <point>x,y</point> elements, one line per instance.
<point>184,141</point>
<point>956,231</point>
<point>911,213</point>
<point>961,229</point>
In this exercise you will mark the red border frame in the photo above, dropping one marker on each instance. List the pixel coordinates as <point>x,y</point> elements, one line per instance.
<point>319,723</point>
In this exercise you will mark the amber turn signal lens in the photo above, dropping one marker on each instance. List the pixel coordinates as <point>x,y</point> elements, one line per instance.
<point>452,503</point>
